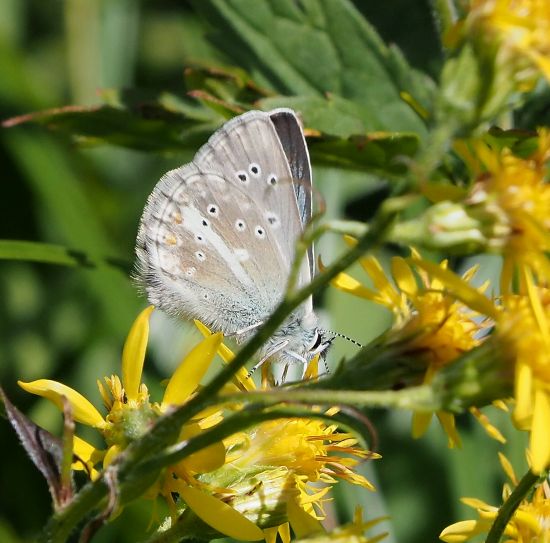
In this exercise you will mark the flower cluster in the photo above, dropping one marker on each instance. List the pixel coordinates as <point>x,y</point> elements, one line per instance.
<point>253,485</point>
<point>521,31</point>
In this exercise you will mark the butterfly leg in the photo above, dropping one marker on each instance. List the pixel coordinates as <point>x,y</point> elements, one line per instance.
<point>244,330</point>
<point>269,354</point>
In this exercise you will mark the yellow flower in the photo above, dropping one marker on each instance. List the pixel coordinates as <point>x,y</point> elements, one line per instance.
<point>515,193</point>
<point>522,329</point>
<point>278,473</point>
<point>521,29</point>
<point>351,533</point>
<point>252,486</point>
<point>529,524</point>
<point>131,414</point>
<point>525,329</point>
<point>429,323</point>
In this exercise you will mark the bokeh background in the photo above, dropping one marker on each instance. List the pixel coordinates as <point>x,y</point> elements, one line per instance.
<point>69,324</point>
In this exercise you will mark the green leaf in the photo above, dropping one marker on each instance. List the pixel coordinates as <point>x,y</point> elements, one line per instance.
<point>386,153</point>
<point>150,126</point>
<point>48,253</point>
<point>317,48</point>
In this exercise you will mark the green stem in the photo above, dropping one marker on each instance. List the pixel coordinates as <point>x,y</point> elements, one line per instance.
<point>416,398</point>
<point>509,507</point>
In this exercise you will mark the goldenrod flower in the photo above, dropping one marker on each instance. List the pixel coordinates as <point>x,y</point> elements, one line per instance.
<point>529,524</point>
<point>521,31</point>
<point>429,323</point>
<point>513,195</point>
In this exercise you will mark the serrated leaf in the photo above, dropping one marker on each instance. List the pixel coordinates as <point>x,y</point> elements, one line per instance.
<point>314,48</point>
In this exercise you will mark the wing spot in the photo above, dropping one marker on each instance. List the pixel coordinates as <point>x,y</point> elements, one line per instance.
<point>240,225</point>
<point>205,223</point>
<point>272,219</point>
<point>176,217</point>
<point>242,255</point>
<point>213,210</point>
<point>190,271</point>
<point>170,239</point>
<point>254,169</point>
<point>199,238</point>
<point>205,296</point>
<point>242,176</point>
<point>201,257</point>
<point>260,232</point>
<point>272,179</point>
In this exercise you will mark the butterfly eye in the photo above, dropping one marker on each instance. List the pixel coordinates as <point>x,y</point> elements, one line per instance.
<point>317,342</point>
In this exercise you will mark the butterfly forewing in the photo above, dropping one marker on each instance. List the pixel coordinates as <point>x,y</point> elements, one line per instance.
<point>217,236</point>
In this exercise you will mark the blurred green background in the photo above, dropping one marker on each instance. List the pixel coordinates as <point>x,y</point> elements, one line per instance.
<point>69,324</point>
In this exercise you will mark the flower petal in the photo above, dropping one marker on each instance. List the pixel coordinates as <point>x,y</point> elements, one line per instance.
<point>83,410</point>
<point>539,444</point>
<point>270,534</point>
<point>523,411</point>
<point>191,370</point>
<point>284,532</point>
<point>348,284</point>
<point>403,276</point>
<point>420,423</point>
<point>112,453</point>
<point>219,515</point>
<point>133,354</point>
<point>241,378</point>
<point>86,456</point>
<point>459,288</point>
<point>447,420</point>
<point>460,531</point>
<point>205,460</point>
<point>303,524</point>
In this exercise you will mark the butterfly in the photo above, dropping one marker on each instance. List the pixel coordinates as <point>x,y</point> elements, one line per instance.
<point>217,236</point>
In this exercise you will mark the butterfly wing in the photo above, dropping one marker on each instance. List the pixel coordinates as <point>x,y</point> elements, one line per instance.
<point>217,236</point>
<point>294,145</point>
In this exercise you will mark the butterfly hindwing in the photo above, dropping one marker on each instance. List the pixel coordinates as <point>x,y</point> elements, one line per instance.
<point>217,236</point>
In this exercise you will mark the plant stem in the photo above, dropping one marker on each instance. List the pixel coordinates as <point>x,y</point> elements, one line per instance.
<point>409,398</point>
<point>509,507</point>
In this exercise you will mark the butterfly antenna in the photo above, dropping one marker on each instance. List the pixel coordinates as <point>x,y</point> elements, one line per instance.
<point>337,334</point>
